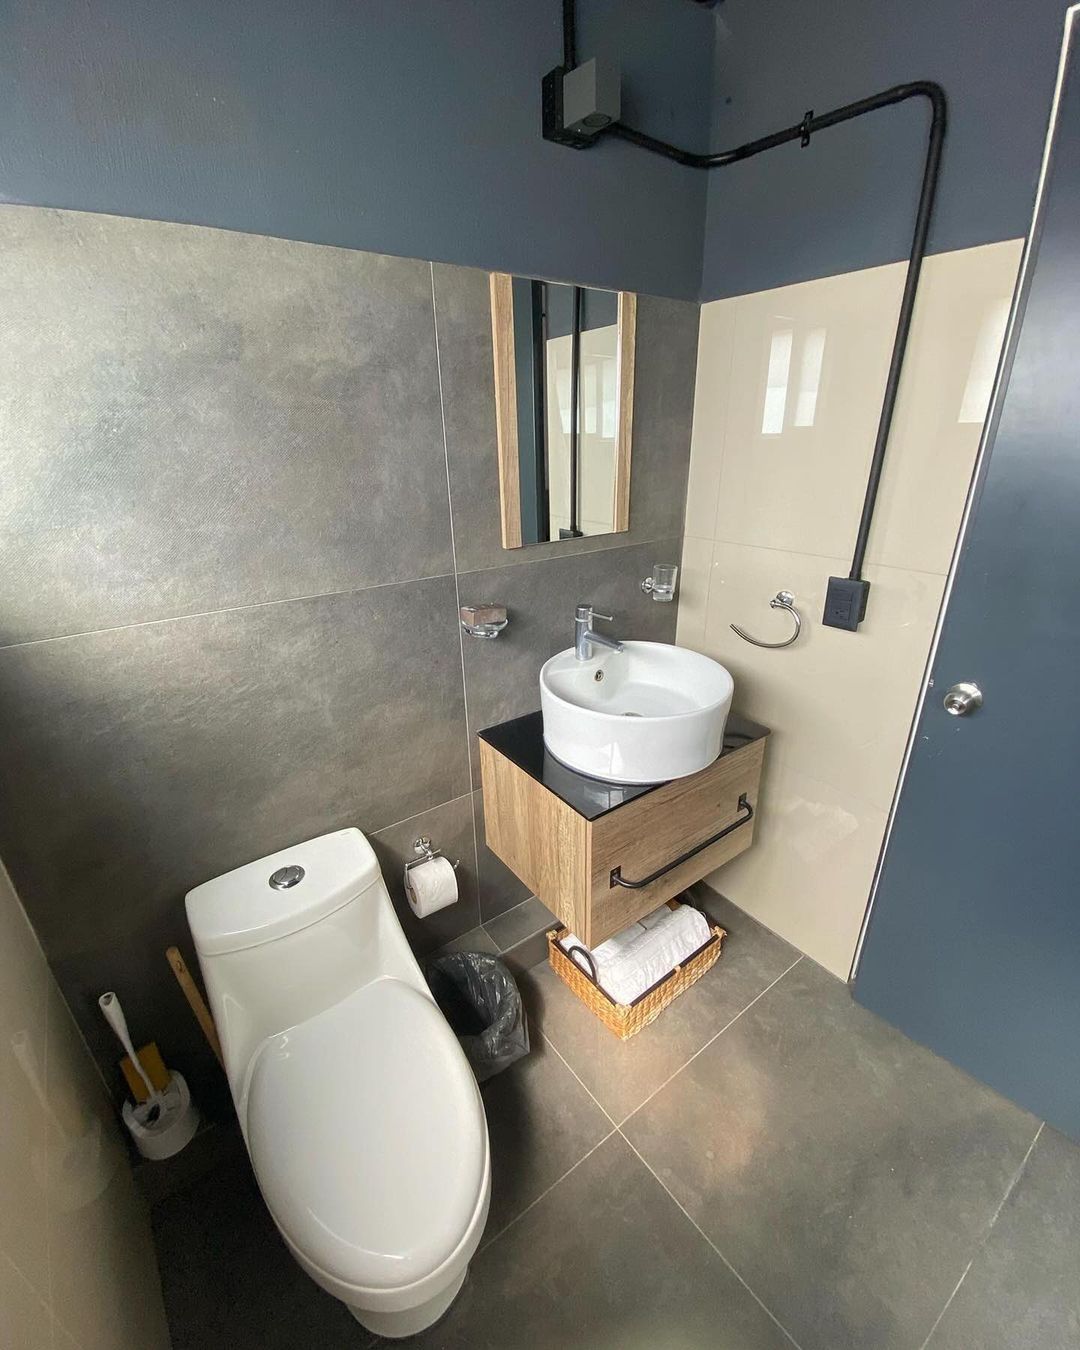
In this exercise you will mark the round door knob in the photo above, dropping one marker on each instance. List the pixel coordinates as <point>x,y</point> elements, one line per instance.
<point>963,698</point>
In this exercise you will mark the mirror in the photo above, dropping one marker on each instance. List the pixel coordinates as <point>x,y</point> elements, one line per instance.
<point>564,397</point>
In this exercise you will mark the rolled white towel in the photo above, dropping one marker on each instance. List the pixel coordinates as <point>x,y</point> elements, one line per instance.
<point>614,946</point>
<point>655,954</point>
<point>607,951</point>
<point>626,969</point>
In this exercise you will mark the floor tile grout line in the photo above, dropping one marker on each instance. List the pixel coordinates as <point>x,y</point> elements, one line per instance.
<point>986,1236</point>
<point>511,909</point>
<point>500,950</point>
<point>709,1042</point>
<point>488,1242</point>
<point>549,1042</point>
<point>620,1123</point>
<point>617,1129</point>
<point>705,1237</point>
<point>457,590</point>
<point>948,1301</point>
<point>525,936</point>
<point>1015,1181</point>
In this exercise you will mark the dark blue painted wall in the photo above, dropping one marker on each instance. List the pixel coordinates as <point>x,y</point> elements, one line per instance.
<point>403,126</point>
<point>412,128</point>
<point>848,200</point>
<point>973,941</point>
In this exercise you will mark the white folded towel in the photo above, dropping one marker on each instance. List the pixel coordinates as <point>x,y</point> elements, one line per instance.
<point>638,957</point>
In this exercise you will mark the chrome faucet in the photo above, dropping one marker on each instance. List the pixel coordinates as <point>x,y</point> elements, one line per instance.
<point>584,637</point>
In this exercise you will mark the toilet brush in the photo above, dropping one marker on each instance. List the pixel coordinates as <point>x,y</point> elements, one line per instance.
<point>164,1123</point>
<point>114,1015</point>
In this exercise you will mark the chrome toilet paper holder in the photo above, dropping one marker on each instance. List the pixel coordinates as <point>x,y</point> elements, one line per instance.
<point>425,853</point>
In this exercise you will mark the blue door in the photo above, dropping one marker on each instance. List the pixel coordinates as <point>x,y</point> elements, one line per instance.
<point>973,943</point>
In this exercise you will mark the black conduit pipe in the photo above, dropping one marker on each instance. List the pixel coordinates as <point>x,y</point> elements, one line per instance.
<point>802,131</point>
<point>569,35</point>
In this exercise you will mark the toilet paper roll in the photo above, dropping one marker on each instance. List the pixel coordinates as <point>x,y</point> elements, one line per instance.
<point>431,887</point>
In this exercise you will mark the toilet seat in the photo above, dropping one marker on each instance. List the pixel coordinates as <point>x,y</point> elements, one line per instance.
<point>367,1134</point>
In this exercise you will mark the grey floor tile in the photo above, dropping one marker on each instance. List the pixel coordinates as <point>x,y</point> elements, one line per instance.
<point>605,1261</point>
<point>515,925</point>
<point>541,1121</point>
<point>622,1074</point>
<point>845,1172</point>
<point>323,1325</point>
<point>214,1146</point>
<point>227,1277</point>
<point>1023,1289</point>
<point>524,956</point>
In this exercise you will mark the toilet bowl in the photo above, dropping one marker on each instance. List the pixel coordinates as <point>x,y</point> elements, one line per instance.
<point>360,1112</point>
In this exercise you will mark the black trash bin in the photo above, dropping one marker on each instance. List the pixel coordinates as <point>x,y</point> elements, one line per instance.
<point>480,1000</point>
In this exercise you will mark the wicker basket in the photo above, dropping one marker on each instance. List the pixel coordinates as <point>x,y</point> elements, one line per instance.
<point>627,1019</point>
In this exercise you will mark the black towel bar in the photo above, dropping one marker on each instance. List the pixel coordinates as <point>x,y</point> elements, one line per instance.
<point>617,878</point>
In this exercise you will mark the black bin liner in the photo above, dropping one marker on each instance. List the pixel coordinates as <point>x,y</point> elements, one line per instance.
<point>480,1000</point>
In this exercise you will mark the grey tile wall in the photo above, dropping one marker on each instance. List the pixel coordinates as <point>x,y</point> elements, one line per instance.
<point>450,828</point>
<point>540,600</point>
<point>232,567</point>
<point>501,676</point>
<point>199,419</point>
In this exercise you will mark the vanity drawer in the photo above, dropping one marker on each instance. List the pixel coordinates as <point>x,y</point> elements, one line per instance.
<point>646,835</point>
<point>567,858</point>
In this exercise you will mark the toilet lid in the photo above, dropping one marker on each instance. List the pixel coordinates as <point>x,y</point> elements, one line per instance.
<point>368,1137</point>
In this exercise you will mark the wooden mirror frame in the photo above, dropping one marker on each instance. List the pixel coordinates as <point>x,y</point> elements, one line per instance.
<point>506,411</point>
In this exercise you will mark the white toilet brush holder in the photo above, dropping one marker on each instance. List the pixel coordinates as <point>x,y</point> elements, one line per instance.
<point>166,1122</point>
<point>163,1126</point>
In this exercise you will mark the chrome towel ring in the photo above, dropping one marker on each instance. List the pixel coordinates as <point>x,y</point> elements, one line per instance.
<point>781,600</point>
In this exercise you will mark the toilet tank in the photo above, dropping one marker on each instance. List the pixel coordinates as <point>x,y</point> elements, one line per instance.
<point>284,938</point>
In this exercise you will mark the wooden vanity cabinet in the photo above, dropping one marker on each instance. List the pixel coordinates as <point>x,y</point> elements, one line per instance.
<point>565,835</point>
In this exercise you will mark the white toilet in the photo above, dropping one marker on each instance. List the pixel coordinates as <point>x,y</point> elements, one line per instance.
<point>359,1109</point>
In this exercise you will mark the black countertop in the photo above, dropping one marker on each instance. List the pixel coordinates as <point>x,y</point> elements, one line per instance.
<point>522,742</point>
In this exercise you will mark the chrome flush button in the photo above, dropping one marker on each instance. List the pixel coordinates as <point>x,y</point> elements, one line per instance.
<point>285,877</point>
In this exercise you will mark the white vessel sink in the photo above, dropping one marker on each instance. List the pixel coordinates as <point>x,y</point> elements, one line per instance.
<point>643,715</point>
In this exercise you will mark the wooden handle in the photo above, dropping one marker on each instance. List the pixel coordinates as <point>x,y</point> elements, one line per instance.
<point>195,999</point>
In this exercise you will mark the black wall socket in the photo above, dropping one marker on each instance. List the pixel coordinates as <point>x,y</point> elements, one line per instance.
<point>845,603</point>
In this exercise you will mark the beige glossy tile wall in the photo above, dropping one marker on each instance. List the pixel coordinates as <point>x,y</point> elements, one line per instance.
<point>789,386</point>
<point>77,1264</point>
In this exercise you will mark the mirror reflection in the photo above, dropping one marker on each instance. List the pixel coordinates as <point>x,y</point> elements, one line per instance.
<point>564,389</point>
